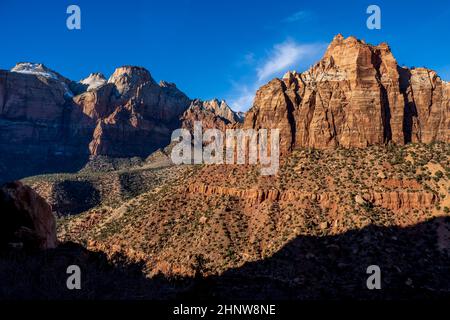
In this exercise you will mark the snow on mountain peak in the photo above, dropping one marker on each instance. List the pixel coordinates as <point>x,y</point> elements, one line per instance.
<point>94,81</point>
<point>38,69</point>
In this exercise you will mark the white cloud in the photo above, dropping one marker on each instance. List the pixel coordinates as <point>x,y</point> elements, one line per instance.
<point>282,57</point>
<point>286,55</point>
<point>243,97</point>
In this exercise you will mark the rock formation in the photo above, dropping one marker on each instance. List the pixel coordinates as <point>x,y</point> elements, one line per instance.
<point>43,114</point>
<point>213,114</point>
<point>27,219</point>
<point>94,81</point>
<point>139,115</point>
<point>34,113</point>
<point>355,96</point>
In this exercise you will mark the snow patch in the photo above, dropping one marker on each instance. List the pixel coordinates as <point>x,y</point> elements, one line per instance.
<point>94,81</point>
<point>38,69</point>
<point>34,68</point>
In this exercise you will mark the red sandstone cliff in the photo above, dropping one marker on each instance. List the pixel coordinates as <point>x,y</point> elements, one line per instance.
<point>355,96</point>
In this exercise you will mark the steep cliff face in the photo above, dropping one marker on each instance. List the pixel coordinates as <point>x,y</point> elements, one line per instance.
<point>427,112</point>
<point>137,116</point>
<point>34,113</point>
<point>355,96</point>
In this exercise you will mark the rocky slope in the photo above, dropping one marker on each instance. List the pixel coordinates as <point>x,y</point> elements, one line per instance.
<point>231,215</point>
<point>355,96</point>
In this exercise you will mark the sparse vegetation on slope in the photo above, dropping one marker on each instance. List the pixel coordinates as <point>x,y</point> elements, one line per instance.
<point>230,215</point>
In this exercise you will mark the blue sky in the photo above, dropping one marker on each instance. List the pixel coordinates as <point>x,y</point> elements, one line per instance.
<point>223,49</point>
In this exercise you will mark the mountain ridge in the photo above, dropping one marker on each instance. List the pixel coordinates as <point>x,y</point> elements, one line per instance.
<point>355,96</point>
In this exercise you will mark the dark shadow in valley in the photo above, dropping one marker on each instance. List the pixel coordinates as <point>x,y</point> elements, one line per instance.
<point>328,267</point>
<point>18,166</point>
<point>335,267</point>
<point>73,197</point>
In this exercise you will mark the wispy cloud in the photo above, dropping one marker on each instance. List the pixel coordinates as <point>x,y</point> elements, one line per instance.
<point>242,98</point>
<point>285,55</point>
<point>297,16</point>
<point>280,58</point>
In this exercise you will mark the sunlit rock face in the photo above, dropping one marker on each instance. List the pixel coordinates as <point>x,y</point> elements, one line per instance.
<point>355,96</point>
<point>45,114</point>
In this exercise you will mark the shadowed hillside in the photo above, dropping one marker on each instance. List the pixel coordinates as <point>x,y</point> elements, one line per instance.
<point>414,262</point>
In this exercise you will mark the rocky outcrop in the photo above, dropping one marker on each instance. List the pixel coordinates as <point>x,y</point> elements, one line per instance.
<point>94,81</point>
<point>220,109</point>
<point>395,200</point>
<point>95,103</point>
<point>355,96</point>
<point>138,116</point>
<point>212,114</point>
<point>27,219</point>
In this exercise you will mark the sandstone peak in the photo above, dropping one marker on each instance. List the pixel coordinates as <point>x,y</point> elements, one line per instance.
<point>128,78</point>
<point>219,108</point>
<point>384,46</point>
<point>131,71</point>
<point>290,74</point>
<point>97,75</point>
<point>166,84</point>
<point>94,81</point>
<point>355,96</point>
<point>129,115</point>
<point>339,41</point>
<point>38,69</point>
<point>338,38</point>
<point>41,71</point>
<point>214,114</point>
